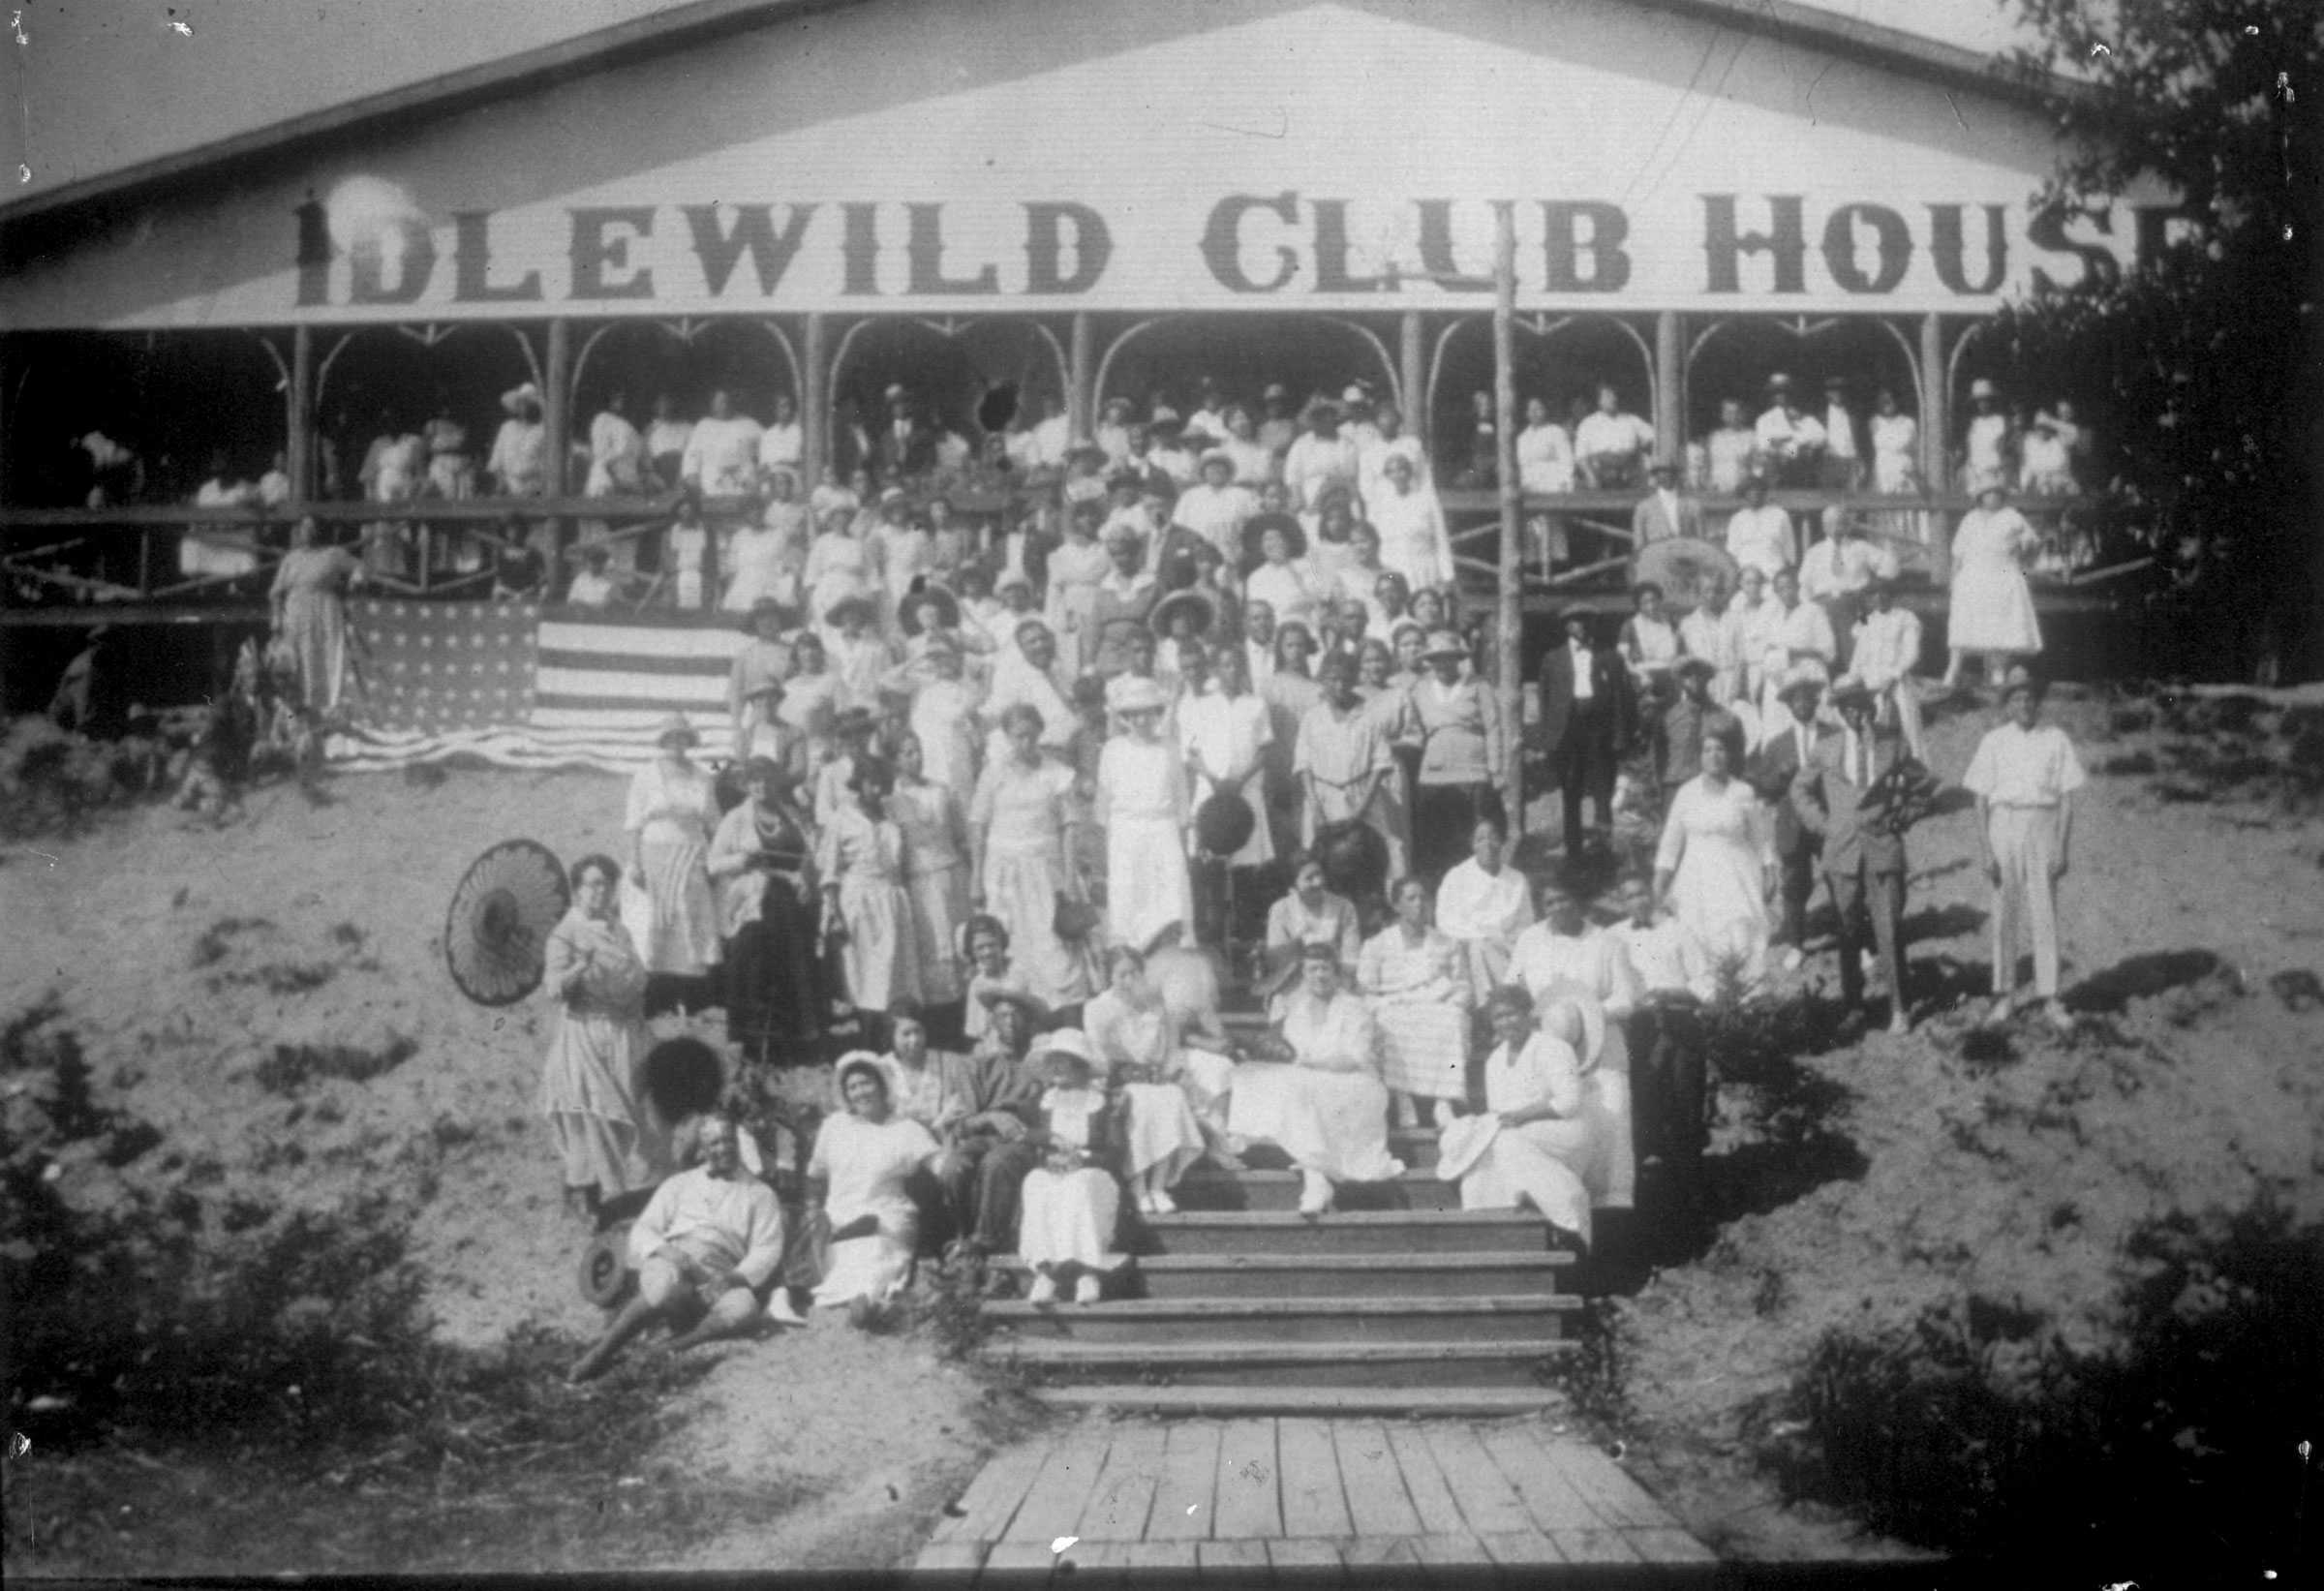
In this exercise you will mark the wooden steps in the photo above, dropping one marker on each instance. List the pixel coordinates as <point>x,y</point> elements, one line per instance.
<point>1163,1322</point>
<point>1340,1275</point>
<point>1231,1362</point>
<point>1347,1232</point>
<point>1204,1188</point>
<point>1318,1402</point>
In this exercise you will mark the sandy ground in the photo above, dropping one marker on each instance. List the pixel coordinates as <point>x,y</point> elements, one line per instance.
<point>184,954</point>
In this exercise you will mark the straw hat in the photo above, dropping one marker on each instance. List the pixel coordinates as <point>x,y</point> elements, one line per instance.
<point>1443,643</point>
<point>1799,680</point>
<point>516,397</point>
<point>676,728</point>
<point>1133,693</point>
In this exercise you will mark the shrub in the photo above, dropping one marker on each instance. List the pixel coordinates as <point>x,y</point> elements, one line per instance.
<point>292,1066</point>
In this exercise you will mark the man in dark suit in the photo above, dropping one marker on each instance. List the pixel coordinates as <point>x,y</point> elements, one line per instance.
<point>1680,728</point>
<point>1863,855</point>
<point>903,446</point>
<point>1586,717</point>
<point>1788,748</point>
<point>1664,512</point>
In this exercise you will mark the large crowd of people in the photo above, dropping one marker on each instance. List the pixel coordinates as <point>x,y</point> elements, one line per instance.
<point>1010,830</point>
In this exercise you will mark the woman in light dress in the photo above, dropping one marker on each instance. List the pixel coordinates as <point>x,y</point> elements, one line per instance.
<point>756,562</point>
<point>1896,462</point>
<point>1418,981</point>
<point>1540,1144</point>
<point>1992,608</point>
<point>1017,831</point>
<point>607,1137</point>
<point>859,857</point>
<point>673,915</point>
<point>1069,1205</point>
<point>1484,904</point>
<point>1716,864</point>
<point>310,612</point>
<point>859,1170</point>
<point>936,872</point>
<point>1077,566</point>
<point>1310,914</point>
<point>838,566</point>
<point>1327,1108</point>
<point>1387,703</point>
<point>1142,806</point>
<point>1135,1043</point>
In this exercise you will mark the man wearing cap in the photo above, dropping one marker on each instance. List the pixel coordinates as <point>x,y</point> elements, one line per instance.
<point>722,455</point>
<point>2024,775</point>
<point>1611,445</point>
<point>1790,747</point>
<point>1682,725</point>
<point>1792,439</point>
<point>1463,756</point>
<point>1887,651</point>
<point>1759,535</point>
<point>1319,460</point>
<point>1664,513</point>
<point>1862,857</point>
<point>1587,713</point>
<point>1217,508</point>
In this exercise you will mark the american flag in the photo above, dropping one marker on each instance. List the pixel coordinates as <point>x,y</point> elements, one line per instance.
<point>518,686</point>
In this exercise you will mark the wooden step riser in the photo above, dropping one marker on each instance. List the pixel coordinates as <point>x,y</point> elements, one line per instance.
<point>1519,1233</point>
<point>1099,1324</point>
<point>1251,1282</point>
<point>1497,1373</point>
<point>1199,1192</point>
<point>1202,1401</point>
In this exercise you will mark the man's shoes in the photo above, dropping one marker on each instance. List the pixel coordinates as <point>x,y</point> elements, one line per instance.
<point>1090,1289</point>
<point>1044,1290</point>
<point>781,1311</point>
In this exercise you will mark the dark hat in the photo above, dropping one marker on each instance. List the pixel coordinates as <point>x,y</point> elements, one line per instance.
<point>2021,678</point>
<point>1851,692</point>
<point>926,590</point>
<point>850,607</point>
<point>764,608</point>
<point>1198,603</point>
<point>854,721</point>
<point>1663,467</point>
<point>1691,664</point>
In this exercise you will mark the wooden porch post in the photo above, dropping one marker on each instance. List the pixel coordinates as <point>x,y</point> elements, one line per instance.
<point>814,404</point>
<point>1412,361</point>
<point>1935,424</point>
<point>1670,381</point>
<point>298,439</point>
<point>1509,617</point>
<point>556,406</point>
<point>1081,372</point>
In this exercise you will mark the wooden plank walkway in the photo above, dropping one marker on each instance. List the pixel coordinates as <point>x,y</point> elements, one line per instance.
<point>1252,1496</point>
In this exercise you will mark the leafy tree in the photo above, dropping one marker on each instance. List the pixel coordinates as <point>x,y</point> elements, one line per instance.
<point>2202,359</point>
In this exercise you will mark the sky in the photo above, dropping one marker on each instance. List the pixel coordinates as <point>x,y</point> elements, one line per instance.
<point>95,85</point>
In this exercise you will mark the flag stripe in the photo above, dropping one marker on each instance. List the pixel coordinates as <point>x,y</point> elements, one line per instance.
<point>637,662</point>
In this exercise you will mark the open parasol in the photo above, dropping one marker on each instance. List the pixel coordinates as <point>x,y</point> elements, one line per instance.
<point>496,934</point>
<point>1689,570</point>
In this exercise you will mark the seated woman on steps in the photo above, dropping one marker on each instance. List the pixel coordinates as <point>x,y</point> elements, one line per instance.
<point>1133,1037</point>
<point>1070,1202</point>
<point>1328,1108</point>
<point>1534,1145</point>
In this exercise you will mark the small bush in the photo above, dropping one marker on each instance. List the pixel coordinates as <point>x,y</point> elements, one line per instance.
<point>213,943</point>
<point>292,1066</point>
<point>1595,1373</point>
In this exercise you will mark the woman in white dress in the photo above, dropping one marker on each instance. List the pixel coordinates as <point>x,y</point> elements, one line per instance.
<point>861,1164</point>
<point>1484,904</point>
<point>1281,584</point>
<point>1077,566</point>
<point>1716,864</point>
<point>1992,608</point>
<point>753,562</point>
<point>1135,1043</point>
<point>936,872</point>
<point>672,812</point>
<point>1310,914</point>
<point>858,858</point>
<point>838,566</point>
<point>1017,831</point>
<point>1328,1108</point>
<point>1895,459</point>
<point>1542,1145</point>
<point>1142,806</point>
<point>1387,703</point>
<point>1068,1205</point>
<point>1418,981</point>
<point>607,1136</point>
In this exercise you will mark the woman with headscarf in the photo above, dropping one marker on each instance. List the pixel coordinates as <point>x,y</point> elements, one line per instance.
<point>859,858</point>
<point>672,813</point>
<point>1135,1043</point>
<point>858,1174</point>
<point>1018,833</point>
<point>762,861</point>
<point>607,1138</point>
<point>936,872</point>
<point>310,612</point>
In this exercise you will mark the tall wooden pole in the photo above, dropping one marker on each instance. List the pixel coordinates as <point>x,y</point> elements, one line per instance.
<point>557,420</point>
<point>814,404</point>
<point>1081,377</point>
<point>1509,617</point>
<point>300,439</point>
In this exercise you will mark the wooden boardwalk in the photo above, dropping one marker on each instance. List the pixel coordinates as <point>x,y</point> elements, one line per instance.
<point>1257,1498</point>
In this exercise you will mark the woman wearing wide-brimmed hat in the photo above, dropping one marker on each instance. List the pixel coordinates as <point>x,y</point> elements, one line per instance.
<point>672,813</point>
<point>1141,804</point>
<point>519,464</point>
<point>1462,756</point>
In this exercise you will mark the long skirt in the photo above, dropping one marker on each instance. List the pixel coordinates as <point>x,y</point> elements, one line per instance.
<point>881,956</point>
<point>1425,1050</point>
<point>1068,1218</point>
<point>608,1134</point>
<point>773,983</point>
<point>1208,1084</point>
<point>1606,1109</point>
<point>315,624</point>
<point>1332,1122</point>
<point>939,907</point>
<point>1021,890</point>
<point>1147,883</point>
<point>673,916</point>
<point>874,1267</point>
<point>1542,1163</point>
<point>1162,1131</point>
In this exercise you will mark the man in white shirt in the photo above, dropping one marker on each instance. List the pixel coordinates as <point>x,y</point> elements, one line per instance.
<point>1319,460</point>
<point>1833,577</point>
<point>782,445</point>
<point>1750,624</point>
<point>2024,775</point>
<point>1887,652</point>
<point>710,1241</point>
<point>1759,535</point>
<point>1611,447</point>
<point>1731,451</point>
<point>1803,642</point>
<point>1843,468</point>
<point>721,456</point>
<point>1792,439</point>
